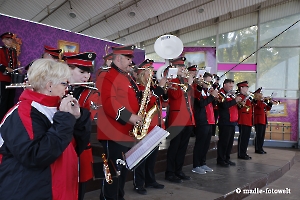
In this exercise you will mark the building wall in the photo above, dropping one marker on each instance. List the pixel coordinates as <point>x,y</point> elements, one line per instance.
<point>34,36</point>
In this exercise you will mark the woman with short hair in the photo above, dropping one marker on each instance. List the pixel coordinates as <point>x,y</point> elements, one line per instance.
<point>42,136</point>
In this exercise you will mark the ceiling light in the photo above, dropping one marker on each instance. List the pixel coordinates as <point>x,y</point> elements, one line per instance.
<point>131,14</point>
<point>72,15</point>
<point>200,10</point>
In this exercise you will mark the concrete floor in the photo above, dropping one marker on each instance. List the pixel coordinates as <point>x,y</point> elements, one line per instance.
<point>278,169</point>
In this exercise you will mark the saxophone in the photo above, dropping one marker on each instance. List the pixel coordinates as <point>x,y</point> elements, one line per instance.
<point>140,131</point>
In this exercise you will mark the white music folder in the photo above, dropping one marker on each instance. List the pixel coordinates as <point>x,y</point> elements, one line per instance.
<point>145,146</point>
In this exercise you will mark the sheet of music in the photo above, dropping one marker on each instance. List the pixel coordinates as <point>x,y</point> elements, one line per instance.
<point>145,146</point>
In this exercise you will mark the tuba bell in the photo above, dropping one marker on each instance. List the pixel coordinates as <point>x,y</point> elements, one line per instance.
<point>167,47</point>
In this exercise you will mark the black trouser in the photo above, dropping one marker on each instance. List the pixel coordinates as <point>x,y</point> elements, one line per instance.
<point>176,152</point>
<point>260,130</point>
<point>7,97</point>
<point>113,151</point>
<point>202,143</point>
<point>214,126</point>
<point>144,173</point>
<point>81,190</point>
<point>243,140</point>
<point>225,143</point>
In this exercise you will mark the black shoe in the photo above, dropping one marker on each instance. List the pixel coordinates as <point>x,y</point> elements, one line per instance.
<point>182,176</point>
<point>249,156</point>
<point>223,164</point>
<point>140,190</point>
<point>173,178</point>
<point>244,157</point>
<point>259,152</point>
<point>155,185</point>
<point>264,151</point>
<point>230,163</point>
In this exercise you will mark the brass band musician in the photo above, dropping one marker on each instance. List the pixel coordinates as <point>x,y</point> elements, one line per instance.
<point>81,67</point>
<point>118,105</point>
<point>228,117</point>
<point>260,119</point>
<point>245,120</point>
<point>144,175</point>
<point>204,116</point>
<point>8,62</point>
<point>180,122</point>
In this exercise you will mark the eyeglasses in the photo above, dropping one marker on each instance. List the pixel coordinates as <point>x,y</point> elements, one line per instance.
<point>66,84</point>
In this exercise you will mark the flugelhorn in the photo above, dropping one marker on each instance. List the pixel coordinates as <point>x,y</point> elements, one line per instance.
<point>106,170</point>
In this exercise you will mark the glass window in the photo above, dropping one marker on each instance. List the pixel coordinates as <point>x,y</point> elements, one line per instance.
<point>155,57</point>
<point>206,42</point>
<point>278,70</point>
<point>239,77</point>
<point>238,45</point>
<point>271,29</point>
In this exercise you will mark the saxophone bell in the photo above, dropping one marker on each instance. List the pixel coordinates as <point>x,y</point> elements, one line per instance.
<point>106,170</point>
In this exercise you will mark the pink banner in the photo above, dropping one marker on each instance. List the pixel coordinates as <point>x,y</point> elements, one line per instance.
<point>239,68</point>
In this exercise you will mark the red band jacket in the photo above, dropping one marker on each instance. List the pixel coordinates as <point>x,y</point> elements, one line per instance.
<point>85,97</point>
<point>260,112</point>
<point>228,110</point>
<point>246,112</point>
<point>40,149</point>
<point>119,99</point>
<point>180,112</point>
<point>6,61</point>
<point>203,107</point>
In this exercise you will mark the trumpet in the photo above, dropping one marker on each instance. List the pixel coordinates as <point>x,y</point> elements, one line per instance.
<point>270,100</point>
<point>249,96</point>
<point>266,100</point>
<point>223,96</point>
<point>106,170</point>
<point>183,86</point>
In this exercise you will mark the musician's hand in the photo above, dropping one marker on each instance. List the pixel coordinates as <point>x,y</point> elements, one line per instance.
<point>71,105</point>
<point>162,82</point>
<point>214,93</point>
<point>135,119</point>
<point>238,99</point>
<point>8,69</point>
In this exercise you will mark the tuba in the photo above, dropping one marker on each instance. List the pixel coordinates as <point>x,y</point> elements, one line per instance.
<point>140,131</point>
